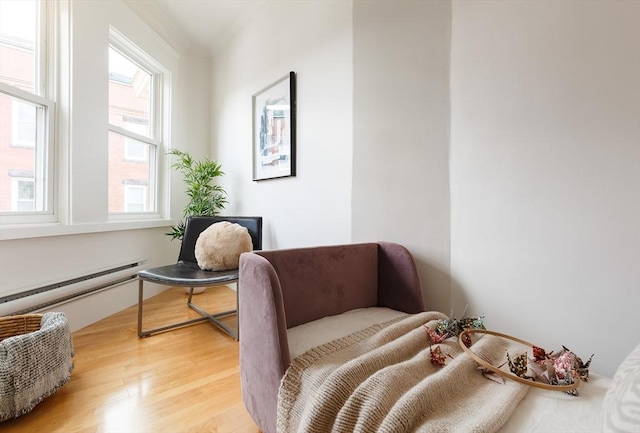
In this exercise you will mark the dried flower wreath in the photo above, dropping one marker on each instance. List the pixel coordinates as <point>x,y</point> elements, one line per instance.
<point>562,370</point>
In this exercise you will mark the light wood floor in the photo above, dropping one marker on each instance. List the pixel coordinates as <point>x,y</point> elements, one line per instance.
<point>184,380</point>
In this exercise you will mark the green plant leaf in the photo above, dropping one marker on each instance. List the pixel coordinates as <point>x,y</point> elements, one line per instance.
<point>205,198</point>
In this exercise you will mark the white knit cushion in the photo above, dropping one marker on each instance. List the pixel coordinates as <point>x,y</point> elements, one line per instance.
<point>621,405</point>
<point>218,248</point>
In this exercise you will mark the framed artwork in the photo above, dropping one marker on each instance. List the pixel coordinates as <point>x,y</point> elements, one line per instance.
<point>274,130</point>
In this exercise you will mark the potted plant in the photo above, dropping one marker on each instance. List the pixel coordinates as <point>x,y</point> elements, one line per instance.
<point>205,198</point>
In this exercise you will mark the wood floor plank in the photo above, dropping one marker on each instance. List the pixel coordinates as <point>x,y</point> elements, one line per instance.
<point>183,380</point>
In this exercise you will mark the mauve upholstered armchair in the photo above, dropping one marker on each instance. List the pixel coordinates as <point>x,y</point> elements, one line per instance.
<point>282,289</point>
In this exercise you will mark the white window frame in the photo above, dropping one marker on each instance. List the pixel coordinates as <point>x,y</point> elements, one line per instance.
<point>158,120</point>
<point>43,100</point>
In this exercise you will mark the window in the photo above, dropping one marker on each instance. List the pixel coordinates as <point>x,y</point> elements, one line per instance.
<point>23,194</point>
<point>135,150</point>
<point>23,124</point>
<point>26,113</point>
<point>135,198</point>
<point>136,96</point>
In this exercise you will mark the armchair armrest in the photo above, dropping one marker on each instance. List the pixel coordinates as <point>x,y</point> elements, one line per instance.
<point>264,349</point>
<point>398,281</point>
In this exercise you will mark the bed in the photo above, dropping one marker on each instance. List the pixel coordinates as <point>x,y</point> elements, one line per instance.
<point>334,339</point>
<point>603,403</point>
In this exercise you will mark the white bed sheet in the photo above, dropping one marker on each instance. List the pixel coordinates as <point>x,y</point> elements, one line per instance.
<point>309,335</point>
<point>539,411</point>
<point>555,411</point>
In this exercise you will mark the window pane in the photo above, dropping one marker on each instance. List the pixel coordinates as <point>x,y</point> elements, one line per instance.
<point>18,33</point>
<point>26,190</point>
<point>25,196</point>
<point>129,95</point>
<point>21,155</point>
<point>129,179</point>
<point>134,150</point>
<point>135,198</point>
<point>23,124</point>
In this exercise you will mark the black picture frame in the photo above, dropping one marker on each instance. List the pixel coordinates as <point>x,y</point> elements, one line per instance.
<point>274,130</point>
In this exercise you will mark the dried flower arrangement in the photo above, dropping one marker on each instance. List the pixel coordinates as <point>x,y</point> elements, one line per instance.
<point>554,368</point>
<point>561,370</point>
<point>451,327</point>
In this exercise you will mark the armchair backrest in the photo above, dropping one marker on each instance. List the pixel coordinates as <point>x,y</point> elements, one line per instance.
<point>195,225</point>
<point>324,281</point>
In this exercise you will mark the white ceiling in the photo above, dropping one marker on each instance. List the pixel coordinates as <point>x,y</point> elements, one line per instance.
<point>205,24</point>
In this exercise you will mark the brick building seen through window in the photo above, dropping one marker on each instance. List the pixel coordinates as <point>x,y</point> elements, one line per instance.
<point>129,159</point>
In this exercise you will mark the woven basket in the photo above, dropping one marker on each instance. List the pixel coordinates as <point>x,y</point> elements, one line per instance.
<point>10,326</point>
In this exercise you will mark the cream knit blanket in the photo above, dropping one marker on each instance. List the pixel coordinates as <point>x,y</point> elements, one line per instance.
<point>381,379</point>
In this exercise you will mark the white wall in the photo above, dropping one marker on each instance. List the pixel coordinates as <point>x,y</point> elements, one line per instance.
<point>313,39</point>
<point>401,134</point>
<point>192,131</point>
<point>35,262</point>
<point>369,127</point>
<point>86,241</point>
<point>545,171</point>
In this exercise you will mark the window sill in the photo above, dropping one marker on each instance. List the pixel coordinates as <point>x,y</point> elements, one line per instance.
<point>45,230</point>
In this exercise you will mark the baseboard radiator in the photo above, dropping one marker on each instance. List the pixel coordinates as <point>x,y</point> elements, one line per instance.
<point>56,293</point>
